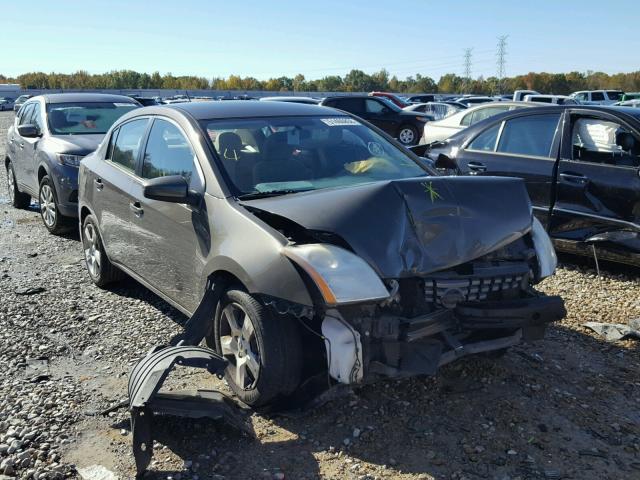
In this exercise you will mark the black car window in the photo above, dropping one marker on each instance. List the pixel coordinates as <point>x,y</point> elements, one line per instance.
<point>531,135</point>
<point>353,105</point>
<point>373,106</point>
<point>25,114</point>
<point>167,153</point>
<point>596,140</point>
<point>112,140</point>
<point>597,96</point>
<point>614,95</point>
<point>486,141</point>
<point>127,145</point>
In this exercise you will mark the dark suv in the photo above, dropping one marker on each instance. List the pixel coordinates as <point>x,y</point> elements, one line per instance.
<point>406,126</point>
<point>49,137</point>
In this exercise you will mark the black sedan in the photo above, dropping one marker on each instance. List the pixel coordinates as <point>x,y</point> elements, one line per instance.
<point>406,126</point>
<point>580,165</point>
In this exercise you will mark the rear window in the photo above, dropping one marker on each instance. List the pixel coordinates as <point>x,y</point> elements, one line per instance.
<point>614,95</point>
<point>86,117</point>
<point>531,135</point>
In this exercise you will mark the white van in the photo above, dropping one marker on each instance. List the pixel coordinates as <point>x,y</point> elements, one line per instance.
<point>598,97</point>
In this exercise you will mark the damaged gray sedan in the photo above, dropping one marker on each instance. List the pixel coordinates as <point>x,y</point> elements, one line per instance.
<point>319,243</point>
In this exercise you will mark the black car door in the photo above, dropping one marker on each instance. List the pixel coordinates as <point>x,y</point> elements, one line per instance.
<point>598,187</point>
<point>523,146</point>
<point>381,115</point>
<point>168,236</point>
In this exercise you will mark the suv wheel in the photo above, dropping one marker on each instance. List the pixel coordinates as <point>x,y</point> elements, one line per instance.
<point>407,135</point>
<point>264,351</point>
<point>101,270</point>
<point>16,198</point>
<point>51,216</point>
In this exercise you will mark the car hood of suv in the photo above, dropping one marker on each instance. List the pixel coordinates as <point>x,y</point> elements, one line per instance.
<point>76,144</point>
<point>411,227</point>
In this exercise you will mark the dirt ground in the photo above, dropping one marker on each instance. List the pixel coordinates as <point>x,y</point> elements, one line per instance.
<point>566,407</point>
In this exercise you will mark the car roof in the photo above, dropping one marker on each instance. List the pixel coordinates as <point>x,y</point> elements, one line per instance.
<point>85,97</point>
<point>245,109</point>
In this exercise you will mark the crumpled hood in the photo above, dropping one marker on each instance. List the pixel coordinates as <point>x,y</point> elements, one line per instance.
<point>76,144</point>
<point>416,226</point>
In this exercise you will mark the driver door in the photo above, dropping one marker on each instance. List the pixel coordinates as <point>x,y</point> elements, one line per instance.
<point>598,183</point>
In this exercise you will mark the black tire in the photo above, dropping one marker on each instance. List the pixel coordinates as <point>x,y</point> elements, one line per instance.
<point>106,272</point>
<point>16,197</point>
<point>53,220</point>
<point>277,341</point>
<point>408,135</point>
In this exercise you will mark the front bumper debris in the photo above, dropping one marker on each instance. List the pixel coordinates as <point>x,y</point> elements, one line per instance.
<point>145,401</point>
<point>392,346</point>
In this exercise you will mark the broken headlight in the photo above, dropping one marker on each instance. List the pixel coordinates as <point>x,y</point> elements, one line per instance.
<point>341,276</point>
<point>545,253</point>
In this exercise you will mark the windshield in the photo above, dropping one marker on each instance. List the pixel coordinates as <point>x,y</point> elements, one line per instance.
<point>289,154</point>
<point>86,117</point>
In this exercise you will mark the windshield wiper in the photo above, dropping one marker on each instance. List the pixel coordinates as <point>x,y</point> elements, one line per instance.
<point>270,193</point>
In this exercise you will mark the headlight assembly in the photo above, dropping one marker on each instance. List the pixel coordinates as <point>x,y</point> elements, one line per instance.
<point>341,276</point>
<point>545,253</point>
<point>70,160</point>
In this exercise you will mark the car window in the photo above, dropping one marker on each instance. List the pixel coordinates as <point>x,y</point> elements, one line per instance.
<point>614,95</point>
<point>483,113</point>
<point>373,106</point>
<point>306,153</point>
<point>597,96</point>
<point>25,114</point>
<point>128,142</point>
<point>36,118</point>
<point>581,97</point>
<point>112,140</point>
<point>168,152</point>
<point>353,105</point>
<point>486,141</point>
<point>529,135</point>
<point>596,140</point>
<point>466,120</point>
<point>80,118</point>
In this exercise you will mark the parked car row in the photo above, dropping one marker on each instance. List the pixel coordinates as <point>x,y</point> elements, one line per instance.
<point>317,242</point>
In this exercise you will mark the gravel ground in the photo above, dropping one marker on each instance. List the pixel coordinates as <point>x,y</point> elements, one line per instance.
<point>566,407</point>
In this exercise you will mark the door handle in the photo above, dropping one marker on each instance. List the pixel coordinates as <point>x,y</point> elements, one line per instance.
<point>477,167</point>
<point>21,145</point>
<point>98,183</point>
<point>136,208</point>
<point>571,177</point>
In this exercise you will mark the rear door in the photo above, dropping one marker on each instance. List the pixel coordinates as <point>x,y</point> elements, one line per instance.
<point>111,187</point>
<point>598,176</point>
<point>30,151</point>
<point>524,146</point>
<point>170,240</point>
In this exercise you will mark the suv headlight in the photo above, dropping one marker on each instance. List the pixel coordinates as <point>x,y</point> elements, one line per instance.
<point>341,276</point>
<point>545,253</point>
<point>70,160</point>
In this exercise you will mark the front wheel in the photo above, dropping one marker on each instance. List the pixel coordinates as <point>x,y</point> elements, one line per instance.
<point>408,135</point>
<point>17,199</point>
<point>51,217</point>
<point>264,350</point>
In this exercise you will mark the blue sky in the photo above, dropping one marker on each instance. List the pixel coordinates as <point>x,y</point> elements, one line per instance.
<point>324,37</point>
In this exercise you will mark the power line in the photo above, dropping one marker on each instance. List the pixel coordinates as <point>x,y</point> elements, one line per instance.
<point>502,54</point>
<point>467,69</point>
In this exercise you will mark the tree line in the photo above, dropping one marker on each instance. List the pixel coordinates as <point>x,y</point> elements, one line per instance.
<point>354,81</point>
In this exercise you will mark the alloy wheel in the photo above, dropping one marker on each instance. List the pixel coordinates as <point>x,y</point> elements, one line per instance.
<point>11,184</point>
<point>406,136</point>
<point>239,346</point>
<point>48,205</point>
<point>92,253</point>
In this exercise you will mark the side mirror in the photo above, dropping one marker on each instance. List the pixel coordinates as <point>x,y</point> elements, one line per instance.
<point>173,189</point>
<point>446,163</point>
<point>385,111</point>
<point>29,131</point>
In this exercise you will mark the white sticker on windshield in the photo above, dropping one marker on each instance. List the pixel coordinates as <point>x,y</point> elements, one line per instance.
<point>339,121</point>
<point>123,105</point>
<point>375,149</point>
